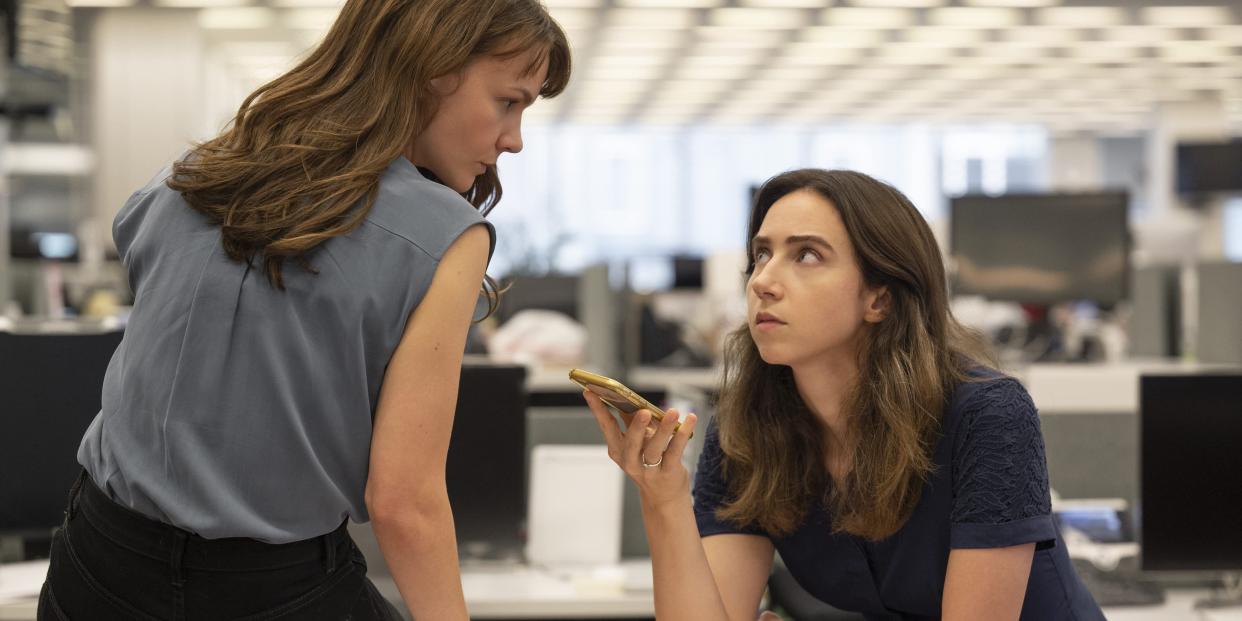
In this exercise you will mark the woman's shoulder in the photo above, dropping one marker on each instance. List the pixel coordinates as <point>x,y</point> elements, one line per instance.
<point>990,392</point>
<point>421,211</point>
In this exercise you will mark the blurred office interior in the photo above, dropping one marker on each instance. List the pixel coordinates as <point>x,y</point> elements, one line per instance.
<point>1080,162</point>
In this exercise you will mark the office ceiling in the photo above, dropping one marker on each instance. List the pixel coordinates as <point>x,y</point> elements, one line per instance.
<point>1069,65</point>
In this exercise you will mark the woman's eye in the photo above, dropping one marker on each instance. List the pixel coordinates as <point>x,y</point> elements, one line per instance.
<point>761,255</point>
<point>805,253</point>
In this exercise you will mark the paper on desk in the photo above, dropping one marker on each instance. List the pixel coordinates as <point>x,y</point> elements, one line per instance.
<point>21,581</point>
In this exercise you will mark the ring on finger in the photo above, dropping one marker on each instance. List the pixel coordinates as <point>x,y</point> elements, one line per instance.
<point>643,459</point>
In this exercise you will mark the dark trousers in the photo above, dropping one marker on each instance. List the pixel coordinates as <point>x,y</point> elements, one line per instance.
<point>110,562</point>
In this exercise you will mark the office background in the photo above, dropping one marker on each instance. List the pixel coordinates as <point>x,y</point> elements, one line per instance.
<point>625,215</point>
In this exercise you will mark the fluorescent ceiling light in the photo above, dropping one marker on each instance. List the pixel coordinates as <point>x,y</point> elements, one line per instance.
<point>670,4</point>
<point>899,4</point>
<point>622,72</point>
<point>1042,35</point>
<point>201,3</point>
<point>656,19</point>
<point>310,19</point>
<point>758,18</point>
<point>633,37</point>
<point>575,18</point>
<point>1082,16</point>
<point>943,36</point>
<point>975,17</point>
<point>637,45</point>
<point>1194,52</point>
<point>629,60</point>
<point>1141,35</point>
<point>240,18</point>
<point>857,17</point>
<point>297,4</point>
<point>1017,4</point>
<point>723,72</point>
<point>711,62</point>
<point>842,37</point>
<point>99,3</point>
<point>1187,16</point>
<point>791,4</point>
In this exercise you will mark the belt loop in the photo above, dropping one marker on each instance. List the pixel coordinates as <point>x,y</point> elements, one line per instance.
<point>329,551</point>
<point>178,551</point>
<point>74,492</point>
<point>178,573</point>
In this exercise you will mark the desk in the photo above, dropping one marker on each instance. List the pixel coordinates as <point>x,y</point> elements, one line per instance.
<point>528,593</point>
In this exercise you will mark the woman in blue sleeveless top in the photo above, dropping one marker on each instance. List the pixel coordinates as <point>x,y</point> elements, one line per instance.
<point>859,432</point>
<point>303,285</point>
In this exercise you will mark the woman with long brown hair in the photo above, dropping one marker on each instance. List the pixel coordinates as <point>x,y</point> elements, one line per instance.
<point>860,432</point>
<point>303,285</point>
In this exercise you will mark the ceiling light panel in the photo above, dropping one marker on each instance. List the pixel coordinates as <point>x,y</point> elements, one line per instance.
<point>310,19</point>
<point>1186,16</point>
<point>786,4</point>
<point>898,4</point>
<point>1082,16</point>
<point>656,19</point>
<point>198,4</point>
<point>575,18</point>
<point>237,18</point>
<point>859,17</point>
<point>1016,4</point>
<point>975,17</point>
<point>935,36</point>
<point>779,19</point>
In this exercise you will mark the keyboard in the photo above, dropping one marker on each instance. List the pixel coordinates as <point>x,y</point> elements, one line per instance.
<point>1118,589</point>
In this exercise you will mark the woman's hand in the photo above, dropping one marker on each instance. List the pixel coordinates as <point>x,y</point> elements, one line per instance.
<point>651,458</point>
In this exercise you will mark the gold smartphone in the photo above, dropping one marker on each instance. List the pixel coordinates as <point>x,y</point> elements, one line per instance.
<point>616,394</point>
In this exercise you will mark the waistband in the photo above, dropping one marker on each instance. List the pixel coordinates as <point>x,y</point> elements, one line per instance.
<point>157,540</point>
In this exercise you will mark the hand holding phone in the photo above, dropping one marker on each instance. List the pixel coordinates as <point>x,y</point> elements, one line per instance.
<point>617,395</point>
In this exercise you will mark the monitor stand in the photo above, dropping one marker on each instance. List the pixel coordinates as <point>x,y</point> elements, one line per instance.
<point>1229,596</point>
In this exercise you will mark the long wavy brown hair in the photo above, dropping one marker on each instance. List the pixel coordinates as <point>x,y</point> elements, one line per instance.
<point>300,163</point>
<point>908,363</point>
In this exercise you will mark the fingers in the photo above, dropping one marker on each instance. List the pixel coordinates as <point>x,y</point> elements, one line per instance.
<point>603,417</point>
<point>678,442</point>
<point>658,443</point>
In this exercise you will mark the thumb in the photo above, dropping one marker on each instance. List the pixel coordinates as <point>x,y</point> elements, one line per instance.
<point>769,616</point>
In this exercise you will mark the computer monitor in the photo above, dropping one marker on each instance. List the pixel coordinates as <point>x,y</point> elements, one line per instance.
<point>1041,248</point>
<point>486,470</point>
<point>1209,167</point>
<point>1190,477</point>
<point>550,292</point>
<point>50,387</point>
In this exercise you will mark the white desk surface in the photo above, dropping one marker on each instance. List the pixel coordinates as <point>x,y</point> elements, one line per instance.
<point>528,593</point>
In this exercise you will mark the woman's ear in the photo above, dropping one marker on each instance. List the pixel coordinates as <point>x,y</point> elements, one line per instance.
<point>879,300</point>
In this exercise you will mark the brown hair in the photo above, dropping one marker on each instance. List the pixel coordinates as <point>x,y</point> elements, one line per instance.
<point>308,147</point>
<point>909,363</point>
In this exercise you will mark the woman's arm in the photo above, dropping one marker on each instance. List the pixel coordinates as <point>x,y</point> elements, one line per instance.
<point>717,578</point>
<point>406,493</point>
<point>986,584</point>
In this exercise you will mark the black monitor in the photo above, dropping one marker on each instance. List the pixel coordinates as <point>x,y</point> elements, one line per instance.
<point>1041,248</point>
<point>1209,167</point>
<point>687,272</point>
<point>551,292</point>
<point>50,387</point>
<point>486,470</point>
<point>1190,481</point>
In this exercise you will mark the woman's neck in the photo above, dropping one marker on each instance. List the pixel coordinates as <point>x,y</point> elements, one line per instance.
<point>824,385</point>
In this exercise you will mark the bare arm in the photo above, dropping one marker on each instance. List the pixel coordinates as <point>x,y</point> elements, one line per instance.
<point>986,584</point>
<point>712,579</point>
<point>406,493</point>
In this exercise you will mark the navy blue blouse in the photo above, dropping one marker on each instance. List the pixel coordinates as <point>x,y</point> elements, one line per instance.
<point>989,489</point>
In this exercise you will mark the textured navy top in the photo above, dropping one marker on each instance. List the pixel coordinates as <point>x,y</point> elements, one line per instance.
<point>989,490</point>
<point>233,409</point>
